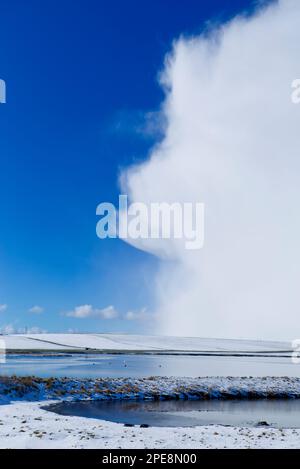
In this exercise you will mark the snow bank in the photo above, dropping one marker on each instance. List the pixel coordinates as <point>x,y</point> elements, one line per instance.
<point>33,388</point>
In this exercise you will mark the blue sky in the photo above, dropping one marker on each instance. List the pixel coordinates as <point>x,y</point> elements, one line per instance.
<point>80,76</point>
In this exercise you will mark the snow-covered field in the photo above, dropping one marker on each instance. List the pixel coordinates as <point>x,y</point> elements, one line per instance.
<point>26,425</point>
<point>124,342</point>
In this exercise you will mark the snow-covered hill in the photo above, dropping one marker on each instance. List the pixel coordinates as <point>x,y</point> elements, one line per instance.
<point>123,342</point>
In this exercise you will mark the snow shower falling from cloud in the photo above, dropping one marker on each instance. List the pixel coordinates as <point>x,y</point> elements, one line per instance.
<point>231,141</point>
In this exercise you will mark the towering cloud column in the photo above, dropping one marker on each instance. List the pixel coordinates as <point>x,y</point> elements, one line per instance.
<point>232,141</point>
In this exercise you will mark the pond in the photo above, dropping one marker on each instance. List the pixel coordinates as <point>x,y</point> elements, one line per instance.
<point>277,413</point>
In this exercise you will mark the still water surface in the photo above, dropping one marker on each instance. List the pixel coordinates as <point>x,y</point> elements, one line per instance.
<point>279,414</point>
<point>105,365</point>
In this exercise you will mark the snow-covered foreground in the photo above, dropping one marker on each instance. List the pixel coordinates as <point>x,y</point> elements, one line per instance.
<point>26,425</point>
<point>123,342</point>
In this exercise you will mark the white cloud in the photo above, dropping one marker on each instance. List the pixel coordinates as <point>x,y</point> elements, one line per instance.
<point>88,311</point>
<point>141,315</point>
<point>108,313</point>
<point>3,308</point>
<point>83,311</point>
<point>232,142</point>
<point>36,309</point>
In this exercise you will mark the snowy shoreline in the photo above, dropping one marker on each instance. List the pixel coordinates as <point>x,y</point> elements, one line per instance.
<point>26,425</point>
<point>33,388</point>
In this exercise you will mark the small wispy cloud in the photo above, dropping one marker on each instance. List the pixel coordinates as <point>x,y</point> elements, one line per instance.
<point>11,328</point>
<point>3,308</point>
<point>88,311</point>
<point>34,330</point>
<point>7,329</point>
<point>126,122</point>
<point>36,309</point>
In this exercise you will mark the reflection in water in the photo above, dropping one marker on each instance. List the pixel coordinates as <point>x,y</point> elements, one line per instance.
<point>279,413</point>
<point>93,366</point>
